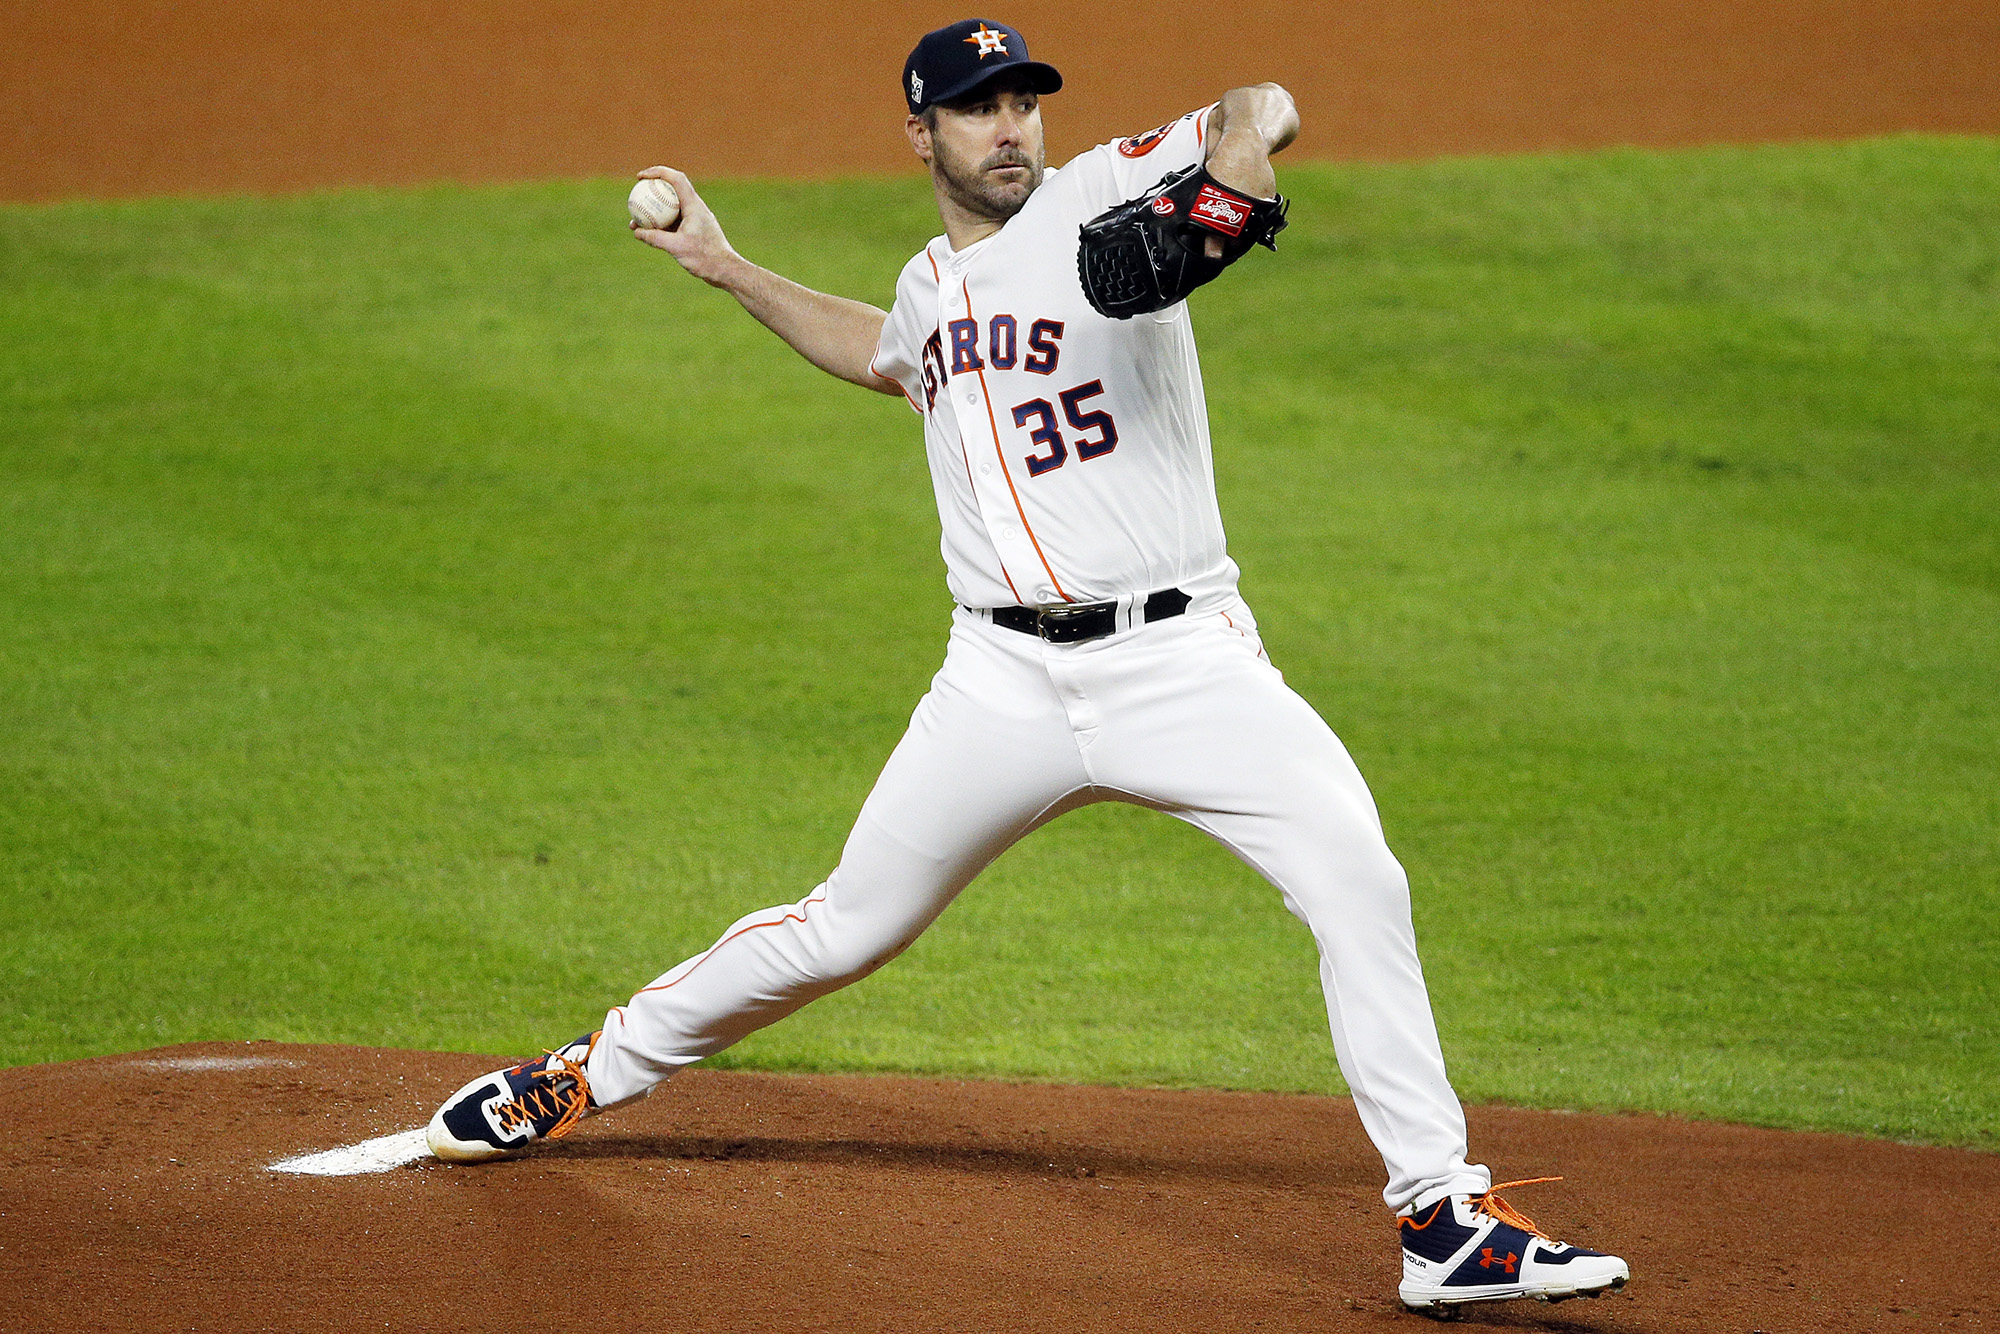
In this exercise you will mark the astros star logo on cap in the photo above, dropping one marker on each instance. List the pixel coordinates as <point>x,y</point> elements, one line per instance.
<point>990,42</point>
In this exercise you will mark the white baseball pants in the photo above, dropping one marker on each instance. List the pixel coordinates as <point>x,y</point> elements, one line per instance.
<point>1184,715</point>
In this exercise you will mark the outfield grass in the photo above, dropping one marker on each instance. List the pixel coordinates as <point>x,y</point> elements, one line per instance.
<point>427,617</point>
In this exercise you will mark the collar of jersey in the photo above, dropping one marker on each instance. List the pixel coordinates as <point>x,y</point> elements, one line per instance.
<point>956,260</point>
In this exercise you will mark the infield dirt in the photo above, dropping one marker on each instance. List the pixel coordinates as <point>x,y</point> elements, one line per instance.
<point>137,1197</point>
<point>132,97</point>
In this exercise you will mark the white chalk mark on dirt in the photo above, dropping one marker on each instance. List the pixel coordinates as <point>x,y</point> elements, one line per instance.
<point>373,1155</point>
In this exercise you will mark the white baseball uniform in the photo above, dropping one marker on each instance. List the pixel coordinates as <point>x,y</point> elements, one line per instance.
<point>1070,456</point>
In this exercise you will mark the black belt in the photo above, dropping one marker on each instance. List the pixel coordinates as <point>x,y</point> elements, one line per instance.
<point>1075,622</point>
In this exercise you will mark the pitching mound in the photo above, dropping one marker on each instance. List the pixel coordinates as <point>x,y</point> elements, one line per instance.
<point>136,1194</point>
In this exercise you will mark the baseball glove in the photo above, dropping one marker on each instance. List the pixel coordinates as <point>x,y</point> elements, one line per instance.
<point>1147,253</point>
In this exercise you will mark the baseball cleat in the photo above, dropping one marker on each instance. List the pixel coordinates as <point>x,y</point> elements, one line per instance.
<point>1478,1248</point>
<point>497,1114</point>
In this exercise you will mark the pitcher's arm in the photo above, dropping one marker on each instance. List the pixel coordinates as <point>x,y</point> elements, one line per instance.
<point>833,333</point>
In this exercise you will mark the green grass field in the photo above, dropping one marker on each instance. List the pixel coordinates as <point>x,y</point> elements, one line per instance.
<point>428,615</point>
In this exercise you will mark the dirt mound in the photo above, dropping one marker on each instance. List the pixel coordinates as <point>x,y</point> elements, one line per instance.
<point>135,1195</point>
<point>123,97</point>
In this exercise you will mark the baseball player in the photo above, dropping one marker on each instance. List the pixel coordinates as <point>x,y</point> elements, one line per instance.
<point>1099,649</point>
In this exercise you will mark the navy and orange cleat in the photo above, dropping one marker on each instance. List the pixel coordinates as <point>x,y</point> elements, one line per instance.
<point>1478,1248</point>
<point>497,1114</point>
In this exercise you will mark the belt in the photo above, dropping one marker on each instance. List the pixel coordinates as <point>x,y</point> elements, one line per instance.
<point>1076,622</point>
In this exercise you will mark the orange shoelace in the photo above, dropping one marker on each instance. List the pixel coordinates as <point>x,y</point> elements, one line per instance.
<point>549,1098</point>
<point>1493,1206</point>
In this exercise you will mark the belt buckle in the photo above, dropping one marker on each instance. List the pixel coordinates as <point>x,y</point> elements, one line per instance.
<point>1053,625</point>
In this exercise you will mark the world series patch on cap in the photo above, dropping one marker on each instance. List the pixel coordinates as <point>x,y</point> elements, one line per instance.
<point>955,61</point>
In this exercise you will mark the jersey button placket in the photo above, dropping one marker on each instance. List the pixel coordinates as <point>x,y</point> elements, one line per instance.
<point>999,509</point>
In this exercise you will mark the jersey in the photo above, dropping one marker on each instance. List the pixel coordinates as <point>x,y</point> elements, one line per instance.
<point>1069,452</point>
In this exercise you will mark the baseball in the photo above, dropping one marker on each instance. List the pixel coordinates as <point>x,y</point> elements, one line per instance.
<point>653,203</point>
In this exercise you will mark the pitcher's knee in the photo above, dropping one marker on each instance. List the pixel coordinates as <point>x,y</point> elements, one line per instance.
<point>844,947</point>
<point>1349,884</point>
<point>836,965</point>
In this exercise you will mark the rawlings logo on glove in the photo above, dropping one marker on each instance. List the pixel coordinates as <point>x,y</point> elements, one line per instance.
<point>1224,212</point>
<point>1149,252</point>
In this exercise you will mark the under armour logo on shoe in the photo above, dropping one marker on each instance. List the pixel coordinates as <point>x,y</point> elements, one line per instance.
<point>1491,1259</point>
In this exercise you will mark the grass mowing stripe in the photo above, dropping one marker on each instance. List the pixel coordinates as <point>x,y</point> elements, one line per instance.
<point>427,619</point>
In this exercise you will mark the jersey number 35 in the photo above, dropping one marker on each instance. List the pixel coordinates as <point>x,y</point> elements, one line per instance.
<point>1048,436</point>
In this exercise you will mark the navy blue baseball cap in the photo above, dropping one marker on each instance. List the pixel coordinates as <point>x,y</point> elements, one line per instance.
<point>953,61</point>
